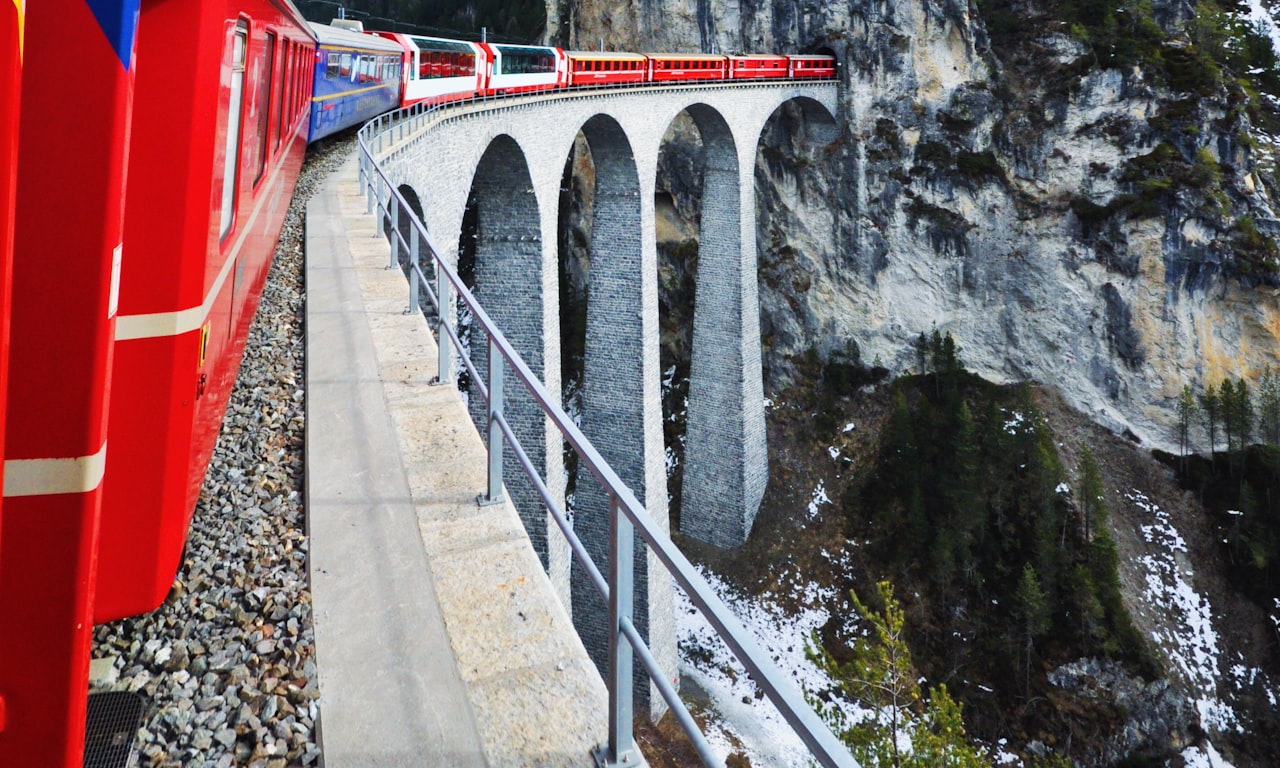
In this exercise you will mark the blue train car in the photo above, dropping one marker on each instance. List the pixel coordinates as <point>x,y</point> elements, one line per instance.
<point>357,77</point>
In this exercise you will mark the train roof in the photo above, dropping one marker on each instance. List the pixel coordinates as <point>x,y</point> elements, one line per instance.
<point>605,56</point>
<point>426,43</point>
<point>757,56</point>
<point>688,56</point>
<point>513,47</point>
<point>811,56</point>
<point>341,38</point>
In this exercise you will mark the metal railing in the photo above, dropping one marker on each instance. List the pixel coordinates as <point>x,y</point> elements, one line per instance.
<point>627,514</point>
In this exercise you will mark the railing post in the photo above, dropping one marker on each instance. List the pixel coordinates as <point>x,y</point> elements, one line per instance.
<point>494,493</point>
<point>415,267</point>
<point>383,212</point>
<point>393,208</point>
<point>621,749</point>
<point>444,314</point>
<point>368,197</point>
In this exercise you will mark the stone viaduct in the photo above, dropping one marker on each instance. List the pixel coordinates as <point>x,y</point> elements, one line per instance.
<point>509,157</point>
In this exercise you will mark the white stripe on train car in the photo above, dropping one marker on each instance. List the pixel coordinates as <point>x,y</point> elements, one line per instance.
<point>50,477</point>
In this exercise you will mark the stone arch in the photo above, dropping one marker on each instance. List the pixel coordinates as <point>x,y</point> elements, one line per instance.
<point>503,226</point>
<point>410,196</point>
<point>726,458</point>
<point>791,146</point>
<point>619,404</point>
<point>815,125</point>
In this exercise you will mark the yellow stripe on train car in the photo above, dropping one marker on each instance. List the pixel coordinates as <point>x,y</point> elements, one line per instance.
<point>318,99</point>
<point>18,6</point>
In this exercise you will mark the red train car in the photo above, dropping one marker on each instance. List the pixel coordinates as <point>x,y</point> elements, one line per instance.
<point>68,225</point>
<point>147,208</point>
<point>812,66</point>
<point>667,67</point>
<point>190,282</point>
<point>755,67</point>
<point>599,68</point>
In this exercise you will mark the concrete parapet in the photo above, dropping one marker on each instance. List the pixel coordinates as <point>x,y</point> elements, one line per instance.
<point>440,641</point>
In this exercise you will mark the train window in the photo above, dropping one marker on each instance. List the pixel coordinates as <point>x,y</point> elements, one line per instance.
<point>332,69</point>
<point>277,108</point>
<point>305,75</point>
<point>231,157</point>
<point>263,102</point>
<point>344,65</point>
<point>284,100</point>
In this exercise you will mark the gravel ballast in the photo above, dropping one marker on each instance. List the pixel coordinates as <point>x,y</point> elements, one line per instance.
<point>227,663</point>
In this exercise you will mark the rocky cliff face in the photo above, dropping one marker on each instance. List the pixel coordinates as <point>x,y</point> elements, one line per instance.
<point>1073,189</point>
<point>1106,230</point>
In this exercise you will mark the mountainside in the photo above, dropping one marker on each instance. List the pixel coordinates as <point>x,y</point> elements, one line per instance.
<point>1083,195</point>
<point>1083,205</point>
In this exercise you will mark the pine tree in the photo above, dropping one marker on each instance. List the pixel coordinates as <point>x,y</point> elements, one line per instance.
<point>1186,415</point>
<point>1209,406</point>
<point>1032,605</point>
<point>1227,413</point>
<point>908,730</point>
<point>1093,505</point>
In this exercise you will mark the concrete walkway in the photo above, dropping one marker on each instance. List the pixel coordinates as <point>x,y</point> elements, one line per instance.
<point>439,640</point>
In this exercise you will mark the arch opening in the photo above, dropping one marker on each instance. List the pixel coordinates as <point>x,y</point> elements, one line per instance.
<point>428,264</point>
<point>500,260</point>
<point>678,196</point>
<point>798,238</point>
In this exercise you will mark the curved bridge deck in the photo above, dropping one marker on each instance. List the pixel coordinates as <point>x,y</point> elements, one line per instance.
<point>439,639</point>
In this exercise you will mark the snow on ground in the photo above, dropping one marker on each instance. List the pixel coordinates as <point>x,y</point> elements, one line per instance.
<point>1262,17</point>
<point>1190,642</point>
<point>1204,757</point>
<point>742,721</point>
<point>819,498</point>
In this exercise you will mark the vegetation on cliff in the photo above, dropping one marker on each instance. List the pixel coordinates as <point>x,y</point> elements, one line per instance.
<point>1215,79</point>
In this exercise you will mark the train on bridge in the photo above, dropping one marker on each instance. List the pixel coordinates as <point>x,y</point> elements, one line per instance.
<point>141,202</point>
<point>359,75</point>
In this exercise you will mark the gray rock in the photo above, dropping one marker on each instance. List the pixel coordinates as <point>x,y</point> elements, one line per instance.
<point>226,737</point>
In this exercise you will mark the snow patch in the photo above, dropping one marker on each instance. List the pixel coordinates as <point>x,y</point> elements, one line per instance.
<point>819,498</point>
<point>1204,757</point>
<point>743,721</point>
<point>1014,423</point>
<point>1190,641</point>
<point>1262,17</point>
